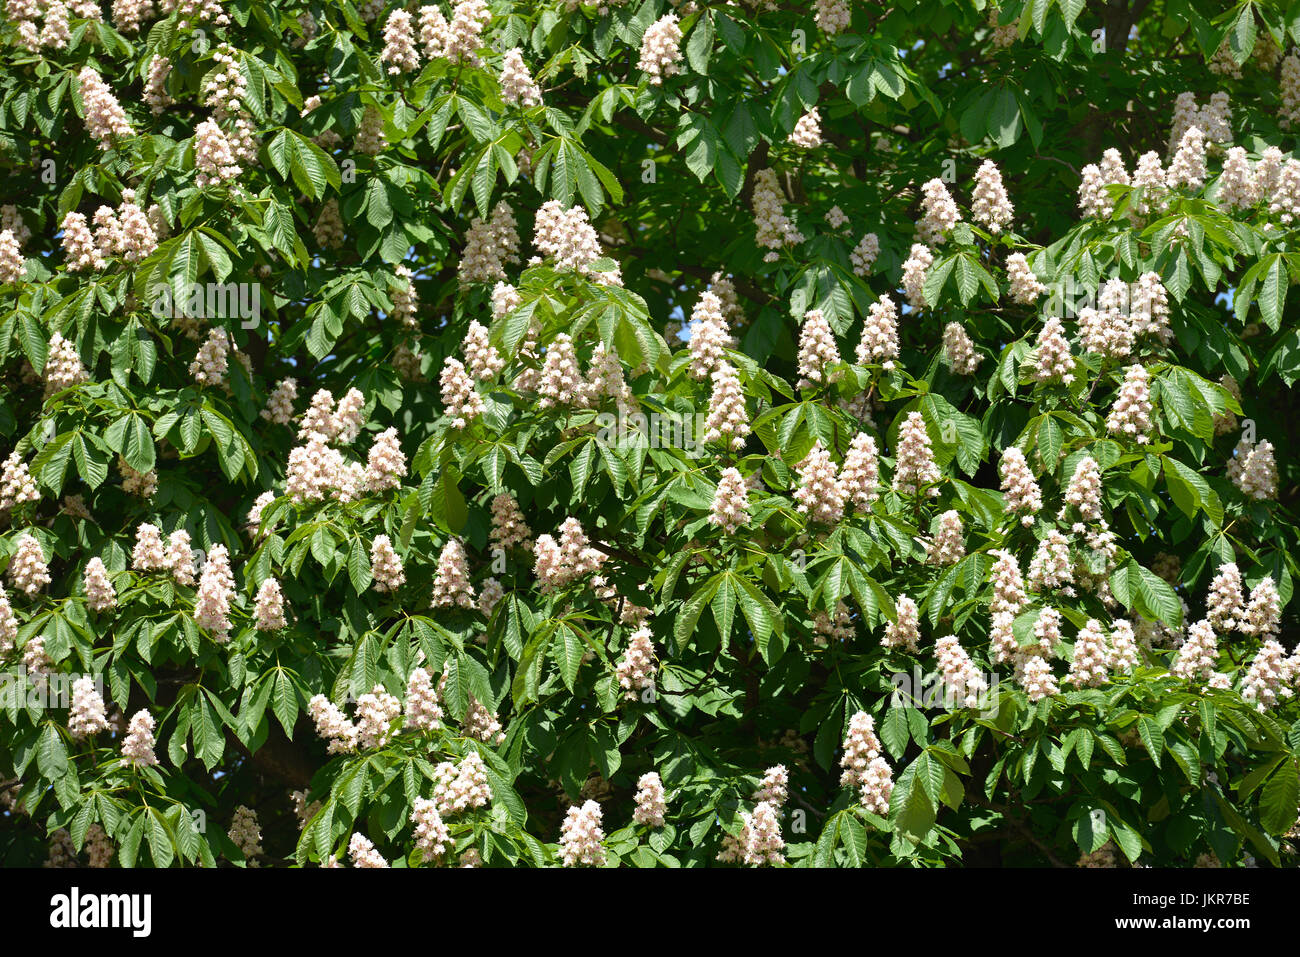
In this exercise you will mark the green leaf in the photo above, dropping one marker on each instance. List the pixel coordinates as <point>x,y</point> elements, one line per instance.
<point>911,812</point>
<point>1279,802</point>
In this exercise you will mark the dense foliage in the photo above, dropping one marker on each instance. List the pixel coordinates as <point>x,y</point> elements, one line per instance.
<point>558,268</point>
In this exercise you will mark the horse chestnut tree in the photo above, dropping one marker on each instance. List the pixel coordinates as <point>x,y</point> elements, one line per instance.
<point>644,433</point>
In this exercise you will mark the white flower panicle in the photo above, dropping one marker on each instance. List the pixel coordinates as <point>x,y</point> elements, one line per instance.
<point>962,680</point>
<point>214,156</point>
<point>730,509</point>
<point>385,565</point>
<point>460,40</point>
<point>489,245</point>
<point>1256,473</point>
<point>363,853</point>
<point>405,299</point>
<point>1107,330</point>
<point>1149,180</point>
<point>451,585</point>
<point>1037,679</point>
<point>948,547</point>
<point>461,787</point>
<point>245,832</point>
<point>385,465</point>
<point>1002,639</point>
<point>100,593</point>
<point>1094,199</point>
<point>807,133</point>
<point>1090,665</point>
<point>1237,188</point>
<point>860,474</point>
<point>1084,491</point>
<point>490,592</point>
<point>1225,604</point>
<point>1188,165</point>
<point>557,564</point>
<point>138,745</point>
<point>348,417</point>
<point>1025,287</point>
<point>63,367</point>
<point>105,119</point>
<point>459,399</point>
<point>1131,414</point>
<point>517,85</point>
<point>727,421</point>
<point>8,625</point>
<point>422,707</point>
<point>431,835</point>
<point>864,254</point>
<point>832,16</point>
<point>480,723</point>
<point>1053,362</point>
<point>1008,584</point>
<point>759,841</point>
<point>216,589</point>
<point>636,669</point>
<point>79,246</point>
<point>1123,648</point>
<point>1198,655</point>
<point>16,483</point>
<point>560,382</point>
<point>568,237</point>
<point>375,714</point>
<point>88,715</point>
<point>1023,496</point>
<point>939,214</point>
<point>819,495</point>
<point>37,662</point>
<point>774,788</point>
<point>332,725</point>
<point>905,630</point>
<point>508,526</point>
<point>915,468</point>
<point>1263,615</point>
<point>879,343</point>
<point>839,628</point>
<point>918,262</point>
<point>210,365</point>
<point>990,205</point>
<point>1266,678</point>
<point>28,572</point>
<point>650,800</point>
<point>773,229</point>
<point>1051,567</point>
<point>504,298</point>
<point>12,265</point>
<point>661,53</point>
<point>709,336</point>
<point>861,747</point>
<point>178,559</point>
<point>817,349</point>
<point>1289,91</point>
<point>268,608</point>
<point>399,44</point>
<point>483,359</point>
<point>279,404</point>
<point>958,351</point>
<point>581,835</point>
<point>148,554</point>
